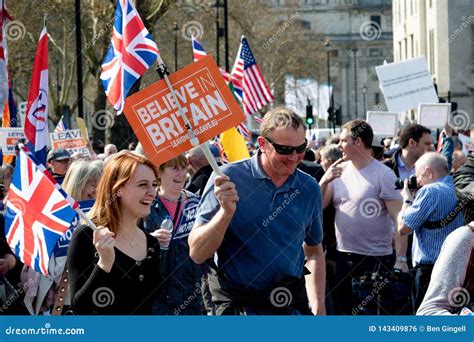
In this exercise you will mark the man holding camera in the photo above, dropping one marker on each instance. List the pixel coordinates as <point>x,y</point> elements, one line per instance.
<point>432,214</point>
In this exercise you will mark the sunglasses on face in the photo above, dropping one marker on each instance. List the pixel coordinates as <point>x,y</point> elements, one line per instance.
<point>287,150</point>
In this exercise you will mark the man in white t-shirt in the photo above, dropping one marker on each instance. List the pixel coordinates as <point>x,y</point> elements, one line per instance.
<point>362,191</point>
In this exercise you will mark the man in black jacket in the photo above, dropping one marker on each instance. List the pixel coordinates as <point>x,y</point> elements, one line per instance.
<point>415,140</point>
<point>464,184</point>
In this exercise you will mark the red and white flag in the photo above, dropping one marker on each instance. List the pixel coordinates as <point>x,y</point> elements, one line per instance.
<point>36,122</point>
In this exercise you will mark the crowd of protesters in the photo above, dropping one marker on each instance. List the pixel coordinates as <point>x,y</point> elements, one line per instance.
<point>348,225</point>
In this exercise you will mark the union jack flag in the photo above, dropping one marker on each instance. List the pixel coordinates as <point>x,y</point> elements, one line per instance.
<point>131,52</point>
<point>37,213</point>
<point>199,53</point>
<point>249,85</point>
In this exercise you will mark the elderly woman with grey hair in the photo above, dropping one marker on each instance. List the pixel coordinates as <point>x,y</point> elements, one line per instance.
<point>329,154</point>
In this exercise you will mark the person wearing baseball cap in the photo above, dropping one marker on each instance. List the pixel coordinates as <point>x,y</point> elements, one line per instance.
<point>58,162</point>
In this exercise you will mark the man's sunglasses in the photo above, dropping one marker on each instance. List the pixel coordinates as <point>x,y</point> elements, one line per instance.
<point>287,150</point>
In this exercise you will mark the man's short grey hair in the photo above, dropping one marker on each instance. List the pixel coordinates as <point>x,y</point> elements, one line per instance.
<point>280,117</point>
<point>435,161</point>
<point>331,152</point>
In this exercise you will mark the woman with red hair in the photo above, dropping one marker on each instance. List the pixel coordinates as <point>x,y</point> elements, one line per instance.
<point>115,269</point>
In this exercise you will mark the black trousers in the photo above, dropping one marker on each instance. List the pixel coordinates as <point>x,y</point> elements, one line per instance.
<point>420,284</point>
<point>350,266</point>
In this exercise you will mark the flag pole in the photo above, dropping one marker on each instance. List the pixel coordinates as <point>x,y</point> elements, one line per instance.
<point>163,72</point>
<point>83,216</point>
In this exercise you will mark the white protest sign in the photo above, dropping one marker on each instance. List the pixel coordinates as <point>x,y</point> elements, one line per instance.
<point>9,137</point>
<point>384,124</point>
<point>434,115</point>
<point>406,84</point>
<point>71,140</point>
<point>466,143</point>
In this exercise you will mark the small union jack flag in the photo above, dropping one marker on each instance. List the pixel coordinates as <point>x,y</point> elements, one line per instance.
<point>249,84</point>
<point>131,52</point>
<point>199,53</point>
<point>37,213</point>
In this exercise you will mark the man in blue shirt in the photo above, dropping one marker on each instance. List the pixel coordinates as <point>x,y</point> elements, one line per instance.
<point>431,215</point>
<point>263,218</point>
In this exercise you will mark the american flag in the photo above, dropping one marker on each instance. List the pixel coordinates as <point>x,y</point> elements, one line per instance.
<point>37,213</point>
<point>199,53</point>
<point>249,85</point>
<point>131,52</point>
<point>61,126</point>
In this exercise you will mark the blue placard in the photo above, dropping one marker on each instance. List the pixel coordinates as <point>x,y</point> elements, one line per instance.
<point>186,221</point>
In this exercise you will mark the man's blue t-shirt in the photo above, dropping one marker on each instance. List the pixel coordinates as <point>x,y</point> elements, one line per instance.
<point>264,241</point>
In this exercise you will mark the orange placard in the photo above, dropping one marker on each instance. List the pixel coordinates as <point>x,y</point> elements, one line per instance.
<point>205,99</point>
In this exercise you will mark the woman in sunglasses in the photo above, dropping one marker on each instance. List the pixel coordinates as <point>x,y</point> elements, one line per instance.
<point>263,240</point>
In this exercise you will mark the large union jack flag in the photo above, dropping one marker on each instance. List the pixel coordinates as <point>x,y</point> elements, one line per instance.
<point>131,52</point>
<point>37,214</point>
<point>249,84</point>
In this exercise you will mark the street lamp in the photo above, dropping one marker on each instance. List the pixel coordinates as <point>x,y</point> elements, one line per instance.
<point>364,93</point>
<point>354,50</point>
<point>327,47</point>
<point>222,32</point>
<point>175,30</point>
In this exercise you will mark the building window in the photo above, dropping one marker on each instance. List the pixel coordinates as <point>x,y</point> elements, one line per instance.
<point>430,4</point>
<point>377,98</point>
<point>375,52</point>
<point>432,56</point>
<point>412,46</point>
<point>376,20</point>
<point>399,50</point>
<point>406,48</point>
<point>400,11</point>
<point>405,9</point>
<point>305,25</point>
<point>411,7</point>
